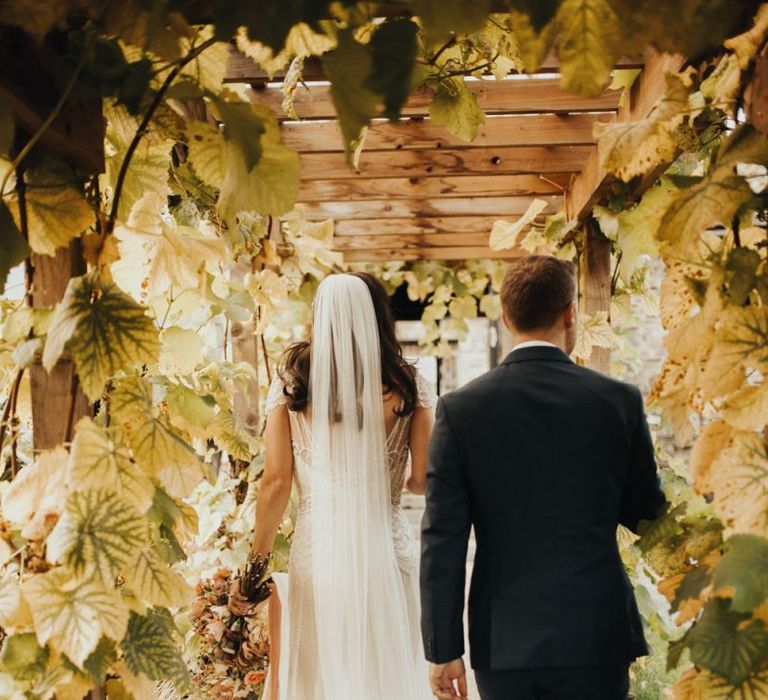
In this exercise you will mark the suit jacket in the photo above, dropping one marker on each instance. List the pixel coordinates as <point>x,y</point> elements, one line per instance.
<point>544,459</point>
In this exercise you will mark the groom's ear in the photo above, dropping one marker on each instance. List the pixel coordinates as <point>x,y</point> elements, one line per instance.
<point>507,322</point>
<point>569,316</point>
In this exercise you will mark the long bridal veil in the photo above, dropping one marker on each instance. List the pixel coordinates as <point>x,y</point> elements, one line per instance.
<point>363,636</point>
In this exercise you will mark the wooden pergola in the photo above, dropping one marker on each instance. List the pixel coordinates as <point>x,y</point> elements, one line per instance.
<point>421,193</point>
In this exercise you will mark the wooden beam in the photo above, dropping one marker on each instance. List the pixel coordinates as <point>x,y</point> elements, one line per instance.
<point>500,130</point>
<point>645,94</point>
<point>241,69</point>
<point>510,96</point>
<point>406,208</point>
<point>453,253</point>
<point>413,187</point>
<point>418,225</point>
<point>502,160</point>
<point>410,241</point>
<point>596,289</point>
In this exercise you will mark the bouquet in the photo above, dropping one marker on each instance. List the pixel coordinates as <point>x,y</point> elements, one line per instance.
<point>231,623</point>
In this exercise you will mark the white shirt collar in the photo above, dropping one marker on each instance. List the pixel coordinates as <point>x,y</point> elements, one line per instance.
<point>534,344</point>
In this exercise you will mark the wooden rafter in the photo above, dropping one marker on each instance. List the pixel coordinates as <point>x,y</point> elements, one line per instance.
<point>646,93</point>
<point>506,130</point>
<point>418,225</point>
<point>518,95</point>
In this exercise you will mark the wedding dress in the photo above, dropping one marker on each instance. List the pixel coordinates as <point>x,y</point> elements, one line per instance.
<point>350,611</point>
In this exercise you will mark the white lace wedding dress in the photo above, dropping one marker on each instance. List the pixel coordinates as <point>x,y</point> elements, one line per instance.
<point>299,673</point>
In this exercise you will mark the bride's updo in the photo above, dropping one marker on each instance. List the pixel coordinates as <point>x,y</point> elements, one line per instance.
<point>397,375</point>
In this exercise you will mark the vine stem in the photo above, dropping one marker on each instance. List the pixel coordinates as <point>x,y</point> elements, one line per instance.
<point>24,152</point>
<point>74,385</point>
<point>144,125</point>
<point>13,419</point>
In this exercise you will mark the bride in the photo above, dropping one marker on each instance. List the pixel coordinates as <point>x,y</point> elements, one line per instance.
<point>345,419</point>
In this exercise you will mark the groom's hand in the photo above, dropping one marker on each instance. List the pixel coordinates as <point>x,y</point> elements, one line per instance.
<point>449,680</point>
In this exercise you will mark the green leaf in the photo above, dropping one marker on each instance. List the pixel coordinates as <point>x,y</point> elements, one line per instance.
<point>442,18</point>
<point>148,169</point>
<point>23,657</point>
<point>100,459</point>
<point>207,152</point>
<point>230,438</point>
<point>155,447</point>
<point>73,614</point>
<point>56,209</point>
<point>154,582</point>
<point>13,248</point>
<point>589,45</point>
<point>242,129</point>
<point>394,46</point>
<point>104,329</point>
<point>98,534</point>
<point>348,67</point>
<point>149,648</point>
<point>726,644</point>
<point>691,586</point>
<point>455,107</point>
<point>194,409</point>
<point>98,662</point>
<point>744,568</point>
<point>717,198</point>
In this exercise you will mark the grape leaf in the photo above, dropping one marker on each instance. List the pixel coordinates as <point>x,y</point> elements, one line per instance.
<point>442,18</point>
<point>36,496</point>
<point>149,649</point>
<point>505,234</point>
<point>154,582</point>
<point>394,46</point>
<point>104,329</point>
<point>99,459</point>
<point>155,447</point>
<point>98,534</point>
<point>13,248</point>
<point>744,568</point>
<point>747,408</point>
<point>23,657</point>
<point>592,331</point>
<point>156,254</point>
<point>588,45</point>
<point>56,209</point>
<point>723,642</point>
<point>73,614</point>
<point>700,684</point>
<point>455,107</point>
<point>348,67</point>
<point>242,130</point>
<point>101,658</point>
<point>628,149</point>
<point>206,151</point>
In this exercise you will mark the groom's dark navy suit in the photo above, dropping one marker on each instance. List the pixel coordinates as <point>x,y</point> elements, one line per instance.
<point>544,459</point>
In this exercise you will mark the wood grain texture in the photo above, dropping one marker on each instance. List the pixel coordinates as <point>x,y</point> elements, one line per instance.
<point>510,96</point>
<point>509,160</point>
<point>596,290</point>
<point>409,241</point>
<point>408,208</point>
<point>417,225</point>
<point>452,253</point>
<point>449,186</point>
<point>504,130</point>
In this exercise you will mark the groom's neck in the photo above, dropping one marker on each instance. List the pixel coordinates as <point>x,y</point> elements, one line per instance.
<point>555,336</point>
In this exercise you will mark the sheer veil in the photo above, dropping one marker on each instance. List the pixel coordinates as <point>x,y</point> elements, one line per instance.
<point>363,637</point>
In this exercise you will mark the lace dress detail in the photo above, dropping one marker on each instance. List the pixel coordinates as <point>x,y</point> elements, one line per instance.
<point>299,657</point>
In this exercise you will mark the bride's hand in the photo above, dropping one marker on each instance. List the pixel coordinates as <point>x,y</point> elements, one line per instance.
<point>449,680</point>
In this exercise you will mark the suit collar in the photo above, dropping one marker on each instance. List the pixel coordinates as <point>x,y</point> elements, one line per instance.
<point>538,352</point>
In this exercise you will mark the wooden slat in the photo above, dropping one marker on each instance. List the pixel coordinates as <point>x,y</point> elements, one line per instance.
<point>457,253</point>
<point>645,94</point>
<point>510,96</point>
<point>410,241</point>
<point>241,69</point>
<point>502,130</point>
<point>355,189</point>
<point>441,162</point>
<point>418,225</point>
<point>404,208</point>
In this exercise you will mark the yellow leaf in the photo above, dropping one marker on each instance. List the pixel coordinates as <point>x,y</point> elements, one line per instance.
<point>14,610</point>
<point>36,496</point>
<point>713,440</point>
<point>592,331</point>
<point>747,409</point>
<point>154,582</point>
<point>56,210</point>
<point>181,350</point>
<point>505,234</point>
<point>588,45</point>
<point>206,152</point>
<point>209,68</point>
<point>628,149</point>
<point>745,45</point>
<point>73,614</point>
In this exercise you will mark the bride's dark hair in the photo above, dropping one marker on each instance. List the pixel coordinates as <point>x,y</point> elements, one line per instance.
<point>397,374</point>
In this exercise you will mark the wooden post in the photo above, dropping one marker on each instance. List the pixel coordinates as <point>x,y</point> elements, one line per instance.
<point>55,392</point>
<point>596,286</point>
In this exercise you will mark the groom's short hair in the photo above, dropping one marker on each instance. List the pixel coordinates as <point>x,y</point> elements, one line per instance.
<point>536,290</point>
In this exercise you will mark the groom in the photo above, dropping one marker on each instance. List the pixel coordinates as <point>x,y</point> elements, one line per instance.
<point>544,459</point>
